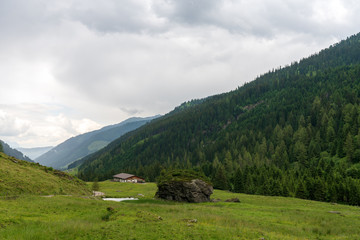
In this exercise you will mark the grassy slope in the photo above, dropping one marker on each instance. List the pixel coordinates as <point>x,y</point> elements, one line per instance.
<point>21,177</point>
<point>66,217</point>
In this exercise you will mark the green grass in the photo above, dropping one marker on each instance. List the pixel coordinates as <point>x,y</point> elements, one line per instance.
<point>72,171</point>
<point>94,146</point>
<point>123,190</point>
<point>19,177</point>
<point>71,217</point>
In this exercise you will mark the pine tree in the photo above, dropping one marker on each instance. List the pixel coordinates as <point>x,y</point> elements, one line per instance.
<point>301,153</point>
<point>220,180</point>
<point>228,162</point>
<point>238,181</point>
<point>354,193</point>
<point>331,195</point>
<point>301,191</point>
<point>285,191</point>
<point>349,147</point>
<point>280,157</point>
<point>276,188</point>
<point>320,190</point>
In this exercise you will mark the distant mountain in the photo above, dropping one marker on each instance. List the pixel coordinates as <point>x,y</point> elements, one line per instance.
<point>13,152</point>
<point>22,177</point>
<point>293,131</point>
<point>34,152</point>
<point>82,145</point>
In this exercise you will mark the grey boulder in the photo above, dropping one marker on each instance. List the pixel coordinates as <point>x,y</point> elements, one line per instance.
<point>194,191</point>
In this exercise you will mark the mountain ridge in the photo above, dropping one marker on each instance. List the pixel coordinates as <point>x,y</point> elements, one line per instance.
<point>79,146</point>
<point>14,152</point>
<point>35,152</point>
<point>291,132</point>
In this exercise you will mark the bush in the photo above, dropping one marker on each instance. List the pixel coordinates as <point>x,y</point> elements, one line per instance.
<point>180,175</point>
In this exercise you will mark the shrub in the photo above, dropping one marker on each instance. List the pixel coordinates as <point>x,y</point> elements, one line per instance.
<point>180,175</point>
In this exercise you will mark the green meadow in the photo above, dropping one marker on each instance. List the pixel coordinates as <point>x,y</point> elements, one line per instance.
<point>19,177</point>
<point>256,217</point>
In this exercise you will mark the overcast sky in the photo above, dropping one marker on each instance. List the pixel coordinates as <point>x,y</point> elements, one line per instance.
<point>71,66</point>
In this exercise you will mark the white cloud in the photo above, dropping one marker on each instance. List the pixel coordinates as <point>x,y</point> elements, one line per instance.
<point>71,66</point>
<point>11,125</point>
<point>331,12</point>
<point>85,125</point>
<point>72,126</point>
<point>42,123</point>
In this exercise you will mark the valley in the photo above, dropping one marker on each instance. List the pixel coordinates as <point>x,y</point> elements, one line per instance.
<point>293,131</point>
<point>179,120</point>
<point>69,154</point>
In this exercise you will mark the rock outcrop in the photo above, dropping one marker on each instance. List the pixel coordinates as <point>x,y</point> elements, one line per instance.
<point>193,191</point>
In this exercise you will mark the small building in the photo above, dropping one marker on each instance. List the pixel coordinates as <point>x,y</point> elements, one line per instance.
<point>125,177</point>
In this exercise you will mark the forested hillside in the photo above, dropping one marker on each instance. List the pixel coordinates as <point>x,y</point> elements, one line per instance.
<point>75,148</point>
<point>5,148</point>
<point>293,131</point>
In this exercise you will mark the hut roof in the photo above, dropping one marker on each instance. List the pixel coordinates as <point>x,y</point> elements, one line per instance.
<point>123,175</point>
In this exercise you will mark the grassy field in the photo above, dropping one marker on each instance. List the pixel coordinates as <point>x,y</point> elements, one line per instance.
<point>19,177</point>
<point>256,217</point>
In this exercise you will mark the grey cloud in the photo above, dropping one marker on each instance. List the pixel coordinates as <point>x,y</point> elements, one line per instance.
<point>149,16</point>
<point>113,59</point>
<point>26,18</point>
<point>263,18</point>
<point>141,73</point>
<point>192,11</point>
<point>116,16</point>
<point>11,125</point>
<point>34,17</point>
<point>130,111</point>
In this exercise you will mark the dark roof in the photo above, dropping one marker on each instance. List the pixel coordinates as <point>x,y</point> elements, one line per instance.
<point>125,176</point>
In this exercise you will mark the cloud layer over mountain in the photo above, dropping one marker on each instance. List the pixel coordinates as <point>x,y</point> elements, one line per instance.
<point>72,66</point>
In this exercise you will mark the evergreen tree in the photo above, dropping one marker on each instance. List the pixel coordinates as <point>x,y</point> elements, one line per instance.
<point>280,157</point>
<point>300,153</point>
<point>320,190</point>
<point>301,191</point>
<point>228,162</point>
<point>220,180</point>
<point>285,191</point>
<point>349,147</point>
<point>238,181</point>
<point>275,187</point>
